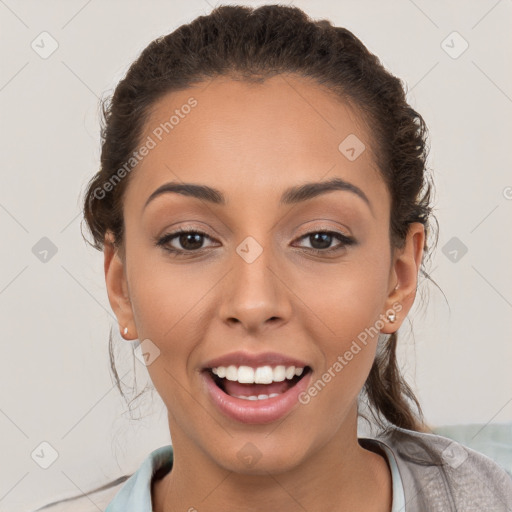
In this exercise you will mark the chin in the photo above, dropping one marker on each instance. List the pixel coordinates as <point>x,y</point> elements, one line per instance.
<point>260,455</point>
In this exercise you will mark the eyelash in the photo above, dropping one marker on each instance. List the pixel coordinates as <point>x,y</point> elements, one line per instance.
<point>165,239</point>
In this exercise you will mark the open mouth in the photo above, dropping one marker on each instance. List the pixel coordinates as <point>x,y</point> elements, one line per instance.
<point>262,383</point>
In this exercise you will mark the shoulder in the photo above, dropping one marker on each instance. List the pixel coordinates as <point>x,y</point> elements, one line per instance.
<point>130,492</point>
<point>91,501</point>
<point>441,474</point>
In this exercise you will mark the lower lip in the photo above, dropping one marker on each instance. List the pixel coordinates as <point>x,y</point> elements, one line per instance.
<point>256,411</point>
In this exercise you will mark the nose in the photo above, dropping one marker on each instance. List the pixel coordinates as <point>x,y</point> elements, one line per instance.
<point>255,295</point>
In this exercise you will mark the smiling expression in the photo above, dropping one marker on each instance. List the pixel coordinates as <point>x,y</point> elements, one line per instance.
<point>255,173</point>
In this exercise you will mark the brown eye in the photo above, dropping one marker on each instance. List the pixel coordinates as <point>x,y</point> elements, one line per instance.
<point>320,241</point>
<point>187,241</point>
<point>190,241</point>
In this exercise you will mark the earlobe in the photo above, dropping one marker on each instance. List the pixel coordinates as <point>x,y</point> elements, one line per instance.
<point>117,288</point>
<point>404,272</point>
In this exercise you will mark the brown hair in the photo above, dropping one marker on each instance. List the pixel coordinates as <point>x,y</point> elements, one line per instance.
<point>257,43</point>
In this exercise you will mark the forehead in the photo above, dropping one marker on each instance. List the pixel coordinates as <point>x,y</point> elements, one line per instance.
<point>255,139</point>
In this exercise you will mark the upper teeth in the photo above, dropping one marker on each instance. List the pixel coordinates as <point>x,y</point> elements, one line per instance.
<point>260,375</point>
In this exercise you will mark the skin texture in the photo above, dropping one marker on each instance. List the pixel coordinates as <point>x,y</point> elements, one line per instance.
<point>252,141</point>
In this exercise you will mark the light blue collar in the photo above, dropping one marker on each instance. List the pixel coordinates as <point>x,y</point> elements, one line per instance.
<point>135,495</point>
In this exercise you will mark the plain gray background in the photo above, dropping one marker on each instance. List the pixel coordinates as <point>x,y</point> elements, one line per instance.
<point>55,382</point>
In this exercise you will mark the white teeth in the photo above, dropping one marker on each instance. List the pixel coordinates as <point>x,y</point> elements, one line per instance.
<point>232,372</point>
<point>261,375</point>
<point>259,397</point>
<point>279,374</point>
<point>245,375</point>
<point>290,372</point>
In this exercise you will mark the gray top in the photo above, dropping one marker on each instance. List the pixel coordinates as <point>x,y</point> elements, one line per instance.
<point>441,475</point>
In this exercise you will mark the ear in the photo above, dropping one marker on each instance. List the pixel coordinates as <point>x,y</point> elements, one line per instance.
<point>404,276</point>
<point>117,288</point>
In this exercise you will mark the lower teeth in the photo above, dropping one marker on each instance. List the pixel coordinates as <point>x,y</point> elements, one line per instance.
<point>259,397</point>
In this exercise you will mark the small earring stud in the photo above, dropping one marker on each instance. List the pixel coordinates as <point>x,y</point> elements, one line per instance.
<point>391,317</point>
<point>125,331</point>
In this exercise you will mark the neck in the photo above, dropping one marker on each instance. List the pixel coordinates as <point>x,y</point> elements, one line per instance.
<point>338,476</point>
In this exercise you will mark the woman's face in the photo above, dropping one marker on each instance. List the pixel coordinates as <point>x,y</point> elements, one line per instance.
<point>262,287</point>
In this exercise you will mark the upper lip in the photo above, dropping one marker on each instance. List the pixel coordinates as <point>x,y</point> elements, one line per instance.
<point>254,360</point>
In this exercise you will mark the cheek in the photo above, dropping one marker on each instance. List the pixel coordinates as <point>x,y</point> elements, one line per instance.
<point>345,299</point>
<point>343,312</point>
<point>166,296</point>
<point>168,305</point>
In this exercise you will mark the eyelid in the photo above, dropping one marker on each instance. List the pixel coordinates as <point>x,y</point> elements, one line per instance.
<point>323,225</point>
<point>341,229</point>
<point>202,231</point>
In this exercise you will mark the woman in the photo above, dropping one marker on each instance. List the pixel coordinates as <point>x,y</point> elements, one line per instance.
<point>263,207</point>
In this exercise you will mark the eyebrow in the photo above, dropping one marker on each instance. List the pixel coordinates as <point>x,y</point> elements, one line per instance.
<point>292,195</point>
